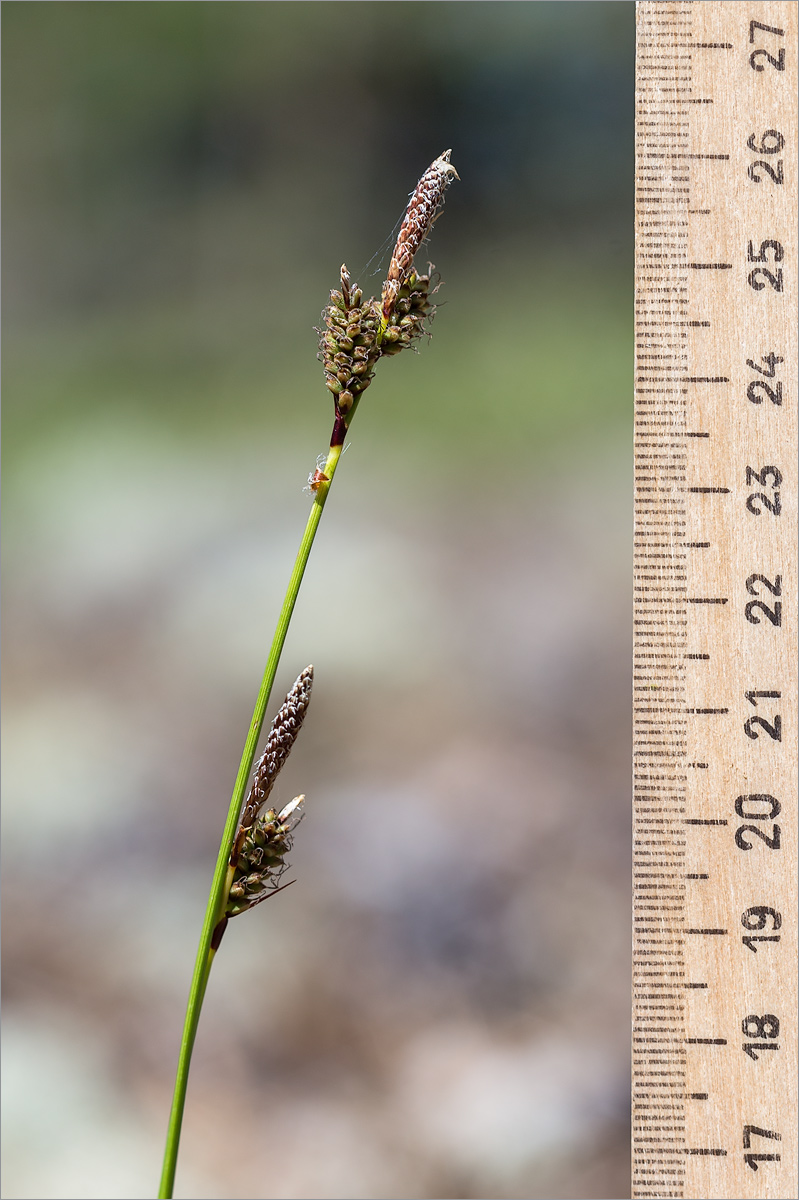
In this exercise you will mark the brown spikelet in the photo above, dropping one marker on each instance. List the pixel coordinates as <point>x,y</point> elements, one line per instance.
<point>419,216</point>
<point>282,735</point>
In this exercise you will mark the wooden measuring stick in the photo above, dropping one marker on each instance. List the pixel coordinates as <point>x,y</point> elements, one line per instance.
<point>715,715</point>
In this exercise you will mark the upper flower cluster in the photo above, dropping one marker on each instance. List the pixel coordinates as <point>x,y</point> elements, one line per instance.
<point>358,332</point>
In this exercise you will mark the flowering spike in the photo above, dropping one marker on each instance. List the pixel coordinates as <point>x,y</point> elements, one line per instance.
<point>420,214</point>
<point>282,735</point>
<point>348,344</point>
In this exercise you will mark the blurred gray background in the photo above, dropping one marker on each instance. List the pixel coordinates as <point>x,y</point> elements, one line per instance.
<point>440,1006</point>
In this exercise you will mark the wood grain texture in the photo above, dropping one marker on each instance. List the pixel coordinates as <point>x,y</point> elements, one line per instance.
<point>715,718</point>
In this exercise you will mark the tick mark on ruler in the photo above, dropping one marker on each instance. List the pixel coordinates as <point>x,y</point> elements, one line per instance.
<point>711,932</point>
<point>706,1041</point>
<point>694,985</point>
<point>718,1153</point>
<point>704,379</point>
<point>697,877</point>
<point>697,1095</point>
<point>704,491</point>
<point>700,821</point>
<point>697,546</point>
<point>709,266</point>
<point>707,711</point>
<point>703,656</point>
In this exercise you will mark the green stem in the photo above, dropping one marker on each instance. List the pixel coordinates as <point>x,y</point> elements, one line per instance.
<point>220,886</point>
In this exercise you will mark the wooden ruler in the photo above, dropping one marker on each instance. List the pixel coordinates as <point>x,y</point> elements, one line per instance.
<point>715,798</point>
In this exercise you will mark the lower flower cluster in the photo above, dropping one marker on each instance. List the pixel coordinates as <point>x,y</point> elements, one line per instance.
<point>261,858</point>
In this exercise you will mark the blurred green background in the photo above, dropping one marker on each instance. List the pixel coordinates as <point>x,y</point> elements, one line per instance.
<point>440,1006</point>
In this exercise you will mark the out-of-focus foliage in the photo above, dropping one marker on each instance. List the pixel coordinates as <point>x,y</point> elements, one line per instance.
<point>182,181</point>
<point>440,1005</point>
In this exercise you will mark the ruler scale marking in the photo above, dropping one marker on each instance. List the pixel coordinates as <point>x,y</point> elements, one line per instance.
<point>714,675</point>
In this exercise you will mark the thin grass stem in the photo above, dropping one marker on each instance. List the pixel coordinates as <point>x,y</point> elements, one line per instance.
<point>223,874</point>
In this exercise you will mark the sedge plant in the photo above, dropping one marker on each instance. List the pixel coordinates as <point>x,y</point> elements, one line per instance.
<point>356,334</point>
